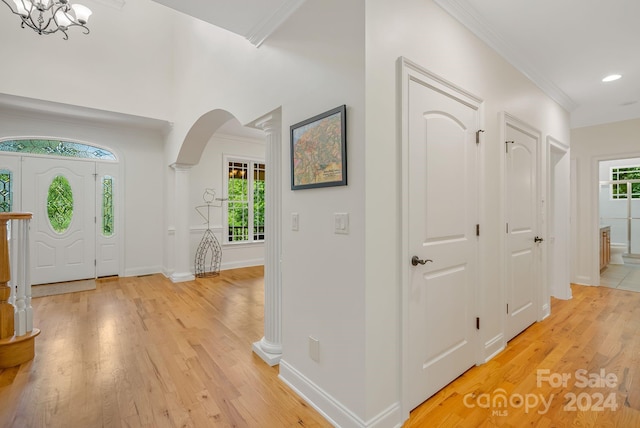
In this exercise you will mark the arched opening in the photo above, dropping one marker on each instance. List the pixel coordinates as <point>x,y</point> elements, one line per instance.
<point>215,126</point>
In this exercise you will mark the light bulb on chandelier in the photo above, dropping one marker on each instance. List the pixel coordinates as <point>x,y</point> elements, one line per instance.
<point>50,16</point>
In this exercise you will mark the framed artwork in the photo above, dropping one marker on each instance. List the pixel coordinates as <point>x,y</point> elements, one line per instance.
<point>319,150</point>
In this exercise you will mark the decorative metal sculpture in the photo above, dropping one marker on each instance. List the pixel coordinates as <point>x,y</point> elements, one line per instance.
<point>209,252</point>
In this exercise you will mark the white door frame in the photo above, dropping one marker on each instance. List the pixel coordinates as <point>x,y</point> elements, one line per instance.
<point>554,183</point>
<point>505,119</point>
<point>595,209</point>
<point>407,71</point>
<point>119,199</point>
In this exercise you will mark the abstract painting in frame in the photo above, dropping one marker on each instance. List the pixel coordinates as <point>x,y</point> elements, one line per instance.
<point>319,150</point>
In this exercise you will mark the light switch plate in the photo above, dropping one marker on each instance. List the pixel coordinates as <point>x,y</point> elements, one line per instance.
<point>295,222</point>
<point>341,222</point>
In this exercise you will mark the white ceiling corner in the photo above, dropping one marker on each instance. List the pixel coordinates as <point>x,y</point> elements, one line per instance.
<point>269,24</point>
<point>472,19</point>
<point>254,20</point>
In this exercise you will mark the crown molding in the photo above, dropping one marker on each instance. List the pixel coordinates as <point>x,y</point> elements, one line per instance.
<point>263,29</point>
<point>470,18</point>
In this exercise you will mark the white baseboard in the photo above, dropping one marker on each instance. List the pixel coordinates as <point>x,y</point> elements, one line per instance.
<point>241,263</point>
<point>144,270</point>
<point>583,280</point>
<point>330,408</point>
<point>493,347</point>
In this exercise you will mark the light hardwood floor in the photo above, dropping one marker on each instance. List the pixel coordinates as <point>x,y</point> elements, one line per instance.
<point>143,352</point>
<point>597,331</point>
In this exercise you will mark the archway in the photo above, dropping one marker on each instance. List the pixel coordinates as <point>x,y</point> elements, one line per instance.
<point>269,348</point>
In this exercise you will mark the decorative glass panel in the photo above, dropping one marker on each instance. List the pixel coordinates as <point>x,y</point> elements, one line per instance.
<point>258,201</point>
<point>56,148</point>
<point>238,207</point>
<point>60,204</point>
<point>107,205</point>
<point>5,190</point>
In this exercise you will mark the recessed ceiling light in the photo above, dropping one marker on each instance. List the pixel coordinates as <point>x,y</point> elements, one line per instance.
<point>611,78</point>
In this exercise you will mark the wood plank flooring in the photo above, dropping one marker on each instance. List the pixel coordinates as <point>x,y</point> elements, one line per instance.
<point>599,329</point>
<point>143,352</point>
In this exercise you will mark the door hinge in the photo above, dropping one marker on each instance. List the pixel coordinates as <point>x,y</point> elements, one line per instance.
<point>478,135</point>
<point>477,230</point>
<point>506,146</point>
<point>507,227</point>
<point>507,308</point>
<point>95,262</point>
<point>95,176</point>
<point>477,323</point>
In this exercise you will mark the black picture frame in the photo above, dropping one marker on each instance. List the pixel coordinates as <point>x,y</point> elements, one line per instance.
<point>319,150</point>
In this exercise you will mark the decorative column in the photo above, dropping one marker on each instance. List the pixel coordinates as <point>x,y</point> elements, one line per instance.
<point>269,348</point>
<point>182,267</point>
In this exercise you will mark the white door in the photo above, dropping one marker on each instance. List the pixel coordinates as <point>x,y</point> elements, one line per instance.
<point>68,253</point>
<point>442,234</point>
<point>521,152</point>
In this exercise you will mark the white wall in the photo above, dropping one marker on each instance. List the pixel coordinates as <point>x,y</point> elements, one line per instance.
<point>422,32</point>
<point>589,146</point>
<point>209,173</point>
<point>140,150</point>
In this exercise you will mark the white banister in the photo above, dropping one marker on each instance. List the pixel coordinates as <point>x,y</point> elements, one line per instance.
<point>20,279</point>
<point>17,334</point>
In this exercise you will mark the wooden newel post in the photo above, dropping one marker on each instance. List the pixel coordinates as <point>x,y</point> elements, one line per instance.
<point>6,308</point>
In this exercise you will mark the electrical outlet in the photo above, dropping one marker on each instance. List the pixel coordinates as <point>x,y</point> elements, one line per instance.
<point>314,349</point>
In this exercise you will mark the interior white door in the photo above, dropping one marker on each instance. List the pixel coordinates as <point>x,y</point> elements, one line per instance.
<point>523,276</point>
<point>442,221</point>
<point>67,254</point>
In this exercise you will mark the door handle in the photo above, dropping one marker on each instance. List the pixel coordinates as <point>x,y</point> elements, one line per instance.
<point>415,261</point>
<point>537,239</point>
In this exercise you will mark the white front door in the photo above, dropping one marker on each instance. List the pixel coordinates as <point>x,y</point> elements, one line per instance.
<point>67,253</point>
<point>523,276</point>
<point>442,208</point>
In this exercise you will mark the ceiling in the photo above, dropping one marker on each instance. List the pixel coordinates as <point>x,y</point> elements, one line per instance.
<point>564,46</point>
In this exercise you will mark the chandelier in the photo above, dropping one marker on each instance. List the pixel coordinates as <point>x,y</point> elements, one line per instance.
<point>50,16</point>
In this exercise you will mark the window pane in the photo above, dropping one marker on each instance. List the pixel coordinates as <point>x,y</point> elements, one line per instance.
<point>258,201</point>
<point>5,191</point>
<point>60,204</point>
<point>107,205</point>
<point>238,206</point>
